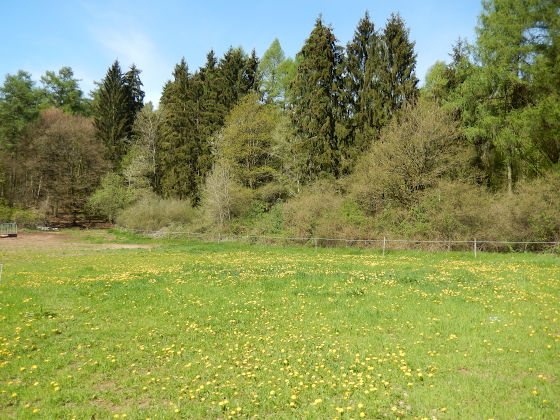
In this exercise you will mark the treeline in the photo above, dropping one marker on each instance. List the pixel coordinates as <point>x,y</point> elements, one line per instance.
<point>339,141</point>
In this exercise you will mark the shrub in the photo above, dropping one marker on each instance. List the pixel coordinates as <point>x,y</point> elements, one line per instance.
<point>533,212</point>
<point>321,211</point>
<point>223,197</point>
<point>153,213</point>
<point>111,198</point>
<point>416,150</point>
<point>25,218</point>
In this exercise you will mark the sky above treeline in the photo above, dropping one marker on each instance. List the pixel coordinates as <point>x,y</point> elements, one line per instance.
<point>89,35</point>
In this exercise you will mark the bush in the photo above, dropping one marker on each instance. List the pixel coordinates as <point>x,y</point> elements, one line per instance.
<point>111,198</point>
<point>416,150</point>
<point>28,218</point>
<point>24,218</point>
<point>321,211</point>
<point>223,197</point>
<point>153,213</point>
<point>533,211</point>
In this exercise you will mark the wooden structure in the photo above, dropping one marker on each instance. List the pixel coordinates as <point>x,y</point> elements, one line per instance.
<point>8,230</point>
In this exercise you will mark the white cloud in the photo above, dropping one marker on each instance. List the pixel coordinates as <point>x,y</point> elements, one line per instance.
<point>133,47</point>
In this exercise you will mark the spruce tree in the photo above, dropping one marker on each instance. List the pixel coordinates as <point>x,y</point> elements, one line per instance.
<point>398,81</point>
<point>229,80</point>
<point>362,85</point>
<point>117,101</point>
<point>111,113</point>
<point>179,149</point>
<point>316,99</point>
<point>135,94</point>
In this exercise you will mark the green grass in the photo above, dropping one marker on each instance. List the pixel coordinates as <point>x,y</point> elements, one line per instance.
<point>194,330</point>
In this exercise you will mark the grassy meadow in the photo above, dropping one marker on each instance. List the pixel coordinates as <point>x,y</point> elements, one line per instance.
<point>201,330</point>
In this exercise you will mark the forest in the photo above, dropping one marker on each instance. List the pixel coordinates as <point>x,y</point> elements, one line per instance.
<point>340,141</point>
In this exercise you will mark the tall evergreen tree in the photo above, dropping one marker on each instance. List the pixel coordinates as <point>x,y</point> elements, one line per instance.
<point>180,147</point>
<point>251,79</point>
<point>229,81</point>
<point>397,79</point>
<point>316,101</point>
<point>117,100</point>
<point>212,111</point>
<point>135,93</point>
<point>362,85</point>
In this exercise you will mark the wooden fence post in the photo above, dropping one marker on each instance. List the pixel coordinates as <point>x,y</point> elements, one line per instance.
<point>384,243</point>
<point>475,247</point>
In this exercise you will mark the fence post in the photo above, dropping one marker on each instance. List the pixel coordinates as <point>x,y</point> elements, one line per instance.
<point>315,244</point>
<point>384,242</point>
<point>475,247</point>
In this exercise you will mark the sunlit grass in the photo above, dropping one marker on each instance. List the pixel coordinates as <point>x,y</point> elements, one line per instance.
<point>218,330</point>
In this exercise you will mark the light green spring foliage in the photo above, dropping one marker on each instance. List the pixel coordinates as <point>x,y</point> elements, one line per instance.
<point>516,48</point>
<point>189,330</point>
<point>111,198</point>
<point>62,90</point>
<point>246,141</point>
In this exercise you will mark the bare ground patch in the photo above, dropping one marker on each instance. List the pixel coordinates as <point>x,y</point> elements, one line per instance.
<point>63,241</point>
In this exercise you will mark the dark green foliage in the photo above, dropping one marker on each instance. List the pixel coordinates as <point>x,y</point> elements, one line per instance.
<point>195,107</point>
<point>19,107</point>
<point>237,74</point>
<point>135,94</point>
<point>363,97</point>
<point>397,80</point>
<point>316,101</point>
<point>180,143</point>
<point>117,101</point>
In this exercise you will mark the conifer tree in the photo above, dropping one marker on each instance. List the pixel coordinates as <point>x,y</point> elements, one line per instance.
<point>229,81</point>
<point>179,150</point>
<point>272,58</point>
<point>398,81</point>
<point>251,78</point>
<point>117,101</point>
<point>135,93</point>
<point>362,85</point>
<point>111,113</point>
<point>212,110</point>
<point>316,99</point>
<point>511,119</point>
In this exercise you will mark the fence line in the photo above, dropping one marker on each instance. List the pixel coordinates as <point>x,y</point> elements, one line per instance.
<point>476,243</point>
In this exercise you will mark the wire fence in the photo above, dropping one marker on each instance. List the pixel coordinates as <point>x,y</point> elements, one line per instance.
<point>384,244</point>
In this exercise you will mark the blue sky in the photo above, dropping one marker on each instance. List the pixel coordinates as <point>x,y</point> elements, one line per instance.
<point>89,35</point>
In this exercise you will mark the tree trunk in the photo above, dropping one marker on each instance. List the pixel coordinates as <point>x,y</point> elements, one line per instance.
<point>509,178</point>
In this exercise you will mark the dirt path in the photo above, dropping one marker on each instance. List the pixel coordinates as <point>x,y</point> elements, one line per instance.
<point>63,240</point>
